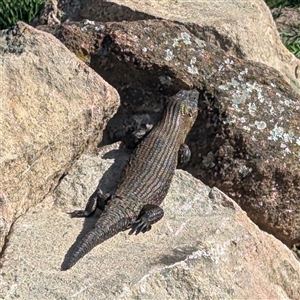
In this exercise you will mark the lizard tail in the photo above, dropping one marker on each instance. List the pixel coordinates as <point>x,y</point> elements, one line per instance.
<point>106,227</point>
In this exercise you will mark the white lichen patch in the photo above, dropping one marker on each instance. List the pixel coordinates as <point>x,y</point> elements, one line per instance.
<point>260,115</point>
<point>252,108</point>
<point>200,43</point>
<point>169,55</point>
<point>208,160</point>
<point>228,61</point>
<point>287,150</point>
<point>245,170</point>
<point>186,38</point>
<point>234,83</point>
<point>99,27</point>
<point>272,111</point>
<point>193,60</point>
<point>244,72</point>
<point>241,92</point>
<point>192,69</point>
<point>201,53</point>
<point>288,137</point>
<point>247,128</point>
<point>230,120</point>
<point>260,125</point>
<point>282,145</point>
<point>175,42</point>
<point>288,103</point>
<point>89,22</point>
<point>165,80</point>
<point>276,133</point>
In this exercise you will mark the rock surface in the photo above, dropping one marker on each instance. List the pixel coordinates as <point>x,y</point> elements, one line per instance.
<point>243,28</point>
<point>205,247</point>
<point>53,107</point>
<point>246,140</point>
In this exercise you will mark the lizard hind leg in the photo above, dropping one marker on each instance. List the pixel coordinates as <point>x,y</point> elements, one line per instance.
<point>97,200</point>
<point>149,215</point>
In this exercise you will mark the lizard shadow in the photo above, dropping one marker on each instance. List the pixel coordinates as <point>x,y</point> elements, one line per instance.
<point>107,183</point>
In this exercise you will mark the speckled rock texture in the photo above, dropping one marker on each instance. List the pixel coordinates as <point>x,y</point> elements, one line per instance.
<point>53,107</point>
<point>244,28</point>
<point>246,140</point>
<point>205,247</point>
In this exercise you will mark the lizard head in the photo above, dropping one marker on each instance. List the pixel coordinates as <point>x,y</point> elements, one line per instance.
<point>183,108</point>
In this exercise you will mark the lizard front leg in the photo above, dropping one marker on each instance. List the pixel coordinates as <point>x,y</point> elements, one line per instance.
<point>97,200</point>
<point>149,215</point>
<point>184,155</point>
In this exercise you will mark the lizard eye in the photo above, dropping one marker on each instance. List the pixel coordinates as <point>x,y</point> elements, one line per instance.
<point>183,110</point>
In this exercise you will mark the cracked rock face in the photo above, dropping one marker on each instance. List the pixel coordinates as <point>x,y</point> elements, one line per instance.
<point>204,247</point>
<point>246,140</point>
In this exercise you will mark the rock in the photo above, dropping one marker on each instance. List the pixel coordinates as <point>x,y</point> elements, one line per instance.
<point>246,140</point>
<point>287,22</point>
<point>245,29</point>
<point>6,218</point>
<point>53,107</point>
<point>287,19</point>
<point>205,247</point>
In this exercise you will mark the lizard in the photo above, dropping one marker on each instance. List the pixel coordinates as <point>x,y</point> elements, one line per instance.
<point>144,181</point>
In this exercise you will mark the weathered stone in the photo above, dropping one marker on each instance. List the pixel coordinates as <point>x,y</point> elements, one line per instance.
<point>288,25</point>
<point>6,218</point>
<point>53,107</point>
<point>287,19</point>
<point>246,140</point>
<point>205,247</point>
<point>243,28</point>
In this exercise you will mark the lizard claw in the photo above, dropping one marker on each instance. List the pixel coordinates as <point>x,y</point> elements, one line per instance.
<point>140,225</point>
<point>77,214</point>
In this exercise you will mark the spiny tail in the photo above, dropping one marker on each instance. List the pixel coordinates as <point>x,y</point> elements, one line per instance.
<point>106,227</point>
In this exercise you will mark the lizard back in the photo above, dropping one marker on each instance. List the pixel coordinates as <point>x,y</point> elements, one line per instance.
<point>147,176</point>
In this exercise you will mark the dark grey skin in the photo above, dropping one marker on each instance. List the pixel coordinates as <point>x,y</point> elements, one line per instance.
<point>144,181</point>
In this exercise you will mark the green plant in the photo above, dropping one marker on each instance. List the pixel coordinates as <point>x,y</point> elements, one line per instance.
<point>292,41</point>
<point>12,11</point>
<point>282,3</point>
<point>290,36</point>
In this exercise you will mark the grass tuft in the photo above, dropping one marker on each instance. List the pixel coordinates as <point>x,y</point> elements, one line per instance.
<point>291,35</point>
<point>12,11</point>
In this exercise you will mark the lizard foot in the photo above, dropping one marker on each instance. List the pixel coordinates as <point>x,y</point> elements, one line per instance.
<point>149,215</point>
<point>97,200</point>
<point>140,225</point>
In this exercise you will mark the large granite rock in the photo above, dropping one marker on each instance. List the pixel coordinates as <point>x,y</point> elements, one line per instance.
<point>53,107</point>
<point>205,247</point>
<point>243,28</point>
<point>246,140</point>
